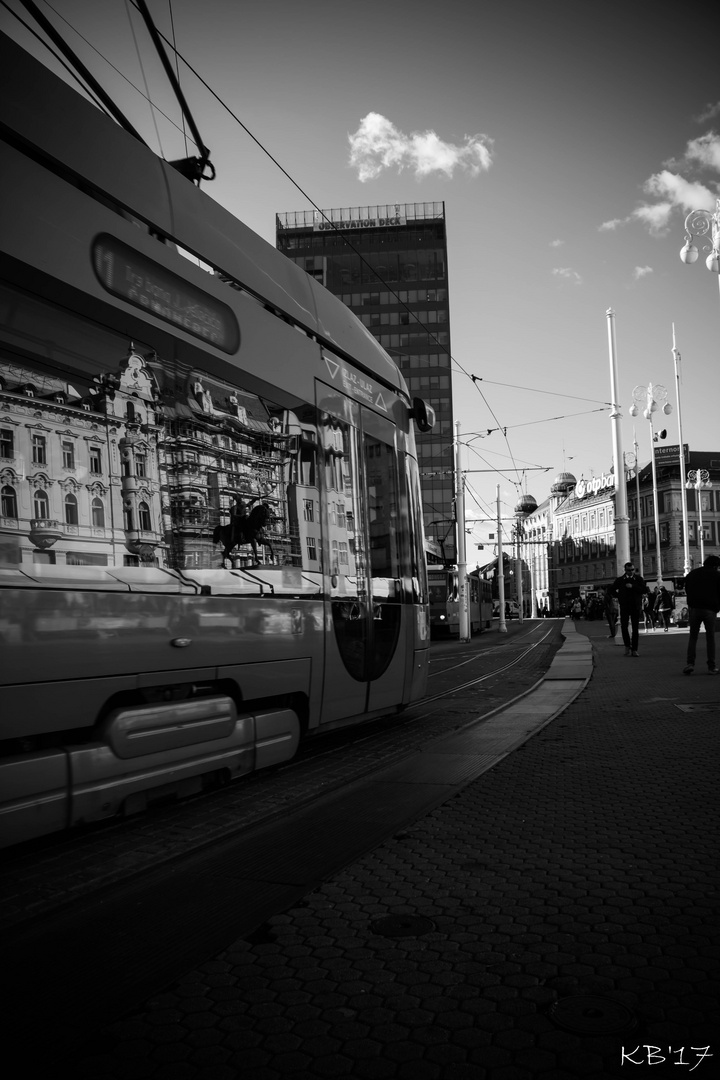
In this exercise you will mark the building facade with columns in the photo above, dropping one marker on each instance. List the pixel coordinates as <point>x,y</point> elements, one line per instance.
<point>582,558</point>
<point>567,544</point>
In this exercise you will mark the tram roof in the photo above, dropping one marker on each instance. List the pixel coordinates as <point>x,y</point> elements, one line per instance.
<point>73,138</point>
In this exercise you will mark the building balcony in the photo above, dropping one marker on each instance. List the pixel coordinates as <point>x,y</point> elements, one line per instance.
<point>44,532</point>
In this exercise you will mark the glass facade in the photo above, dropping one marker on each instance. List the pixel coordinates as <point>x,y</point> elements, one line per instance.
<point>389,265</point>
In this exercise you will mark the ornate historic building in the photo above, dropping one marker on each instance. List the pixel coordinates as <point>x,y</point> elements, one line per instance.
<point>79,475</point>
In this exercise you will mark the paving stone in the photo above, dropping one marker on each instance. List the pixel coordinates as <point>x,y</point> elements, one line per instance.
<point>579,866</point>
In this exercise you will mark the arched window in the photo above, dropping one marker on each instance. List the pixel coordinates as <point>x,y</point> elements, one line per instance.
<point>9,502</point>
<point>71,510</point>
<point>98,514</point>
<point>145,521</point>
<point>41,504</point>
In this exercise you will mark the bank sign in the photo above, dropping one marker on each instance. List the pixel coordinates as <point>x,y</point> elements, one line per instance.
<point>591,487</point>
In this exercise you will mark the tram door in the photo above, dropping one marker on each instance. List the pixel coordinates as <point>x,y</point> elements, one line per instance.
<point>362,551</point>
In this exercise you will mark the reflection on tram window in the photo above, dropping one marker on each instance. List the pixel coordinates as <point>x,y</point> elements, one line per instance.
<point>111,455</point>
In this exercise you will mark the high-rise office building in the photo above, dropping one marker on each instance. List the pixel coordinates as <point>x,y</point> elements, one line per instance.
<point>389,265</point>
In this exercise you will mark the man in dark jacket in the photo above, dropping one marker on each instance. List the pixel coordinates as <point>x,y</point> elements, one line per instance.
<point>630,589</point>
<point>703,597</point>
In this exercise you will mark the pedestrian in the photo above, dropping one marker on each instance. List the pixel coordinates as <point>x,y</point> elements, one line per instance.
<point>663,607</point>
<point>630,589</point>
<point>611,611</point>
<point>647,610</point>
<point>703,596</point>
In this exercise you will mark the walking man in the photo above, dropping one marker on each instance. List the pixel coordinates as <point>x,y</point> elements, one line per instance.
<point>703,596</point>
<point>630,589</point>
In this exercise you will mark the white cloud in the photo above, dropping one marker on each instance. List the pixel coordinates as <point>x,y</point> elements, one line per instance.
<point>705,150</point>
<point>378,144</point>
<point>709,112</point>
<point>642,271</point>
<point>556,243</point>
<point>673,191</point>
<point>568,274</point>
<point>615,223</point>
<point>655,215</point>
<point>678,191</point>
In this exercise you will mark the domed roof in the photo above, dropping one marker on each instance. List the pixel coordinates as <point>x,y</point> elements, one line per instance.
<point>526,505</point>
<point>562,483</point>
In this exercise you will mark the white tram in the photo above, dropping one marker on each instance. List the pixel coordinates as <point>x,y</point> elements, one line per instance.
<point>148,406</point>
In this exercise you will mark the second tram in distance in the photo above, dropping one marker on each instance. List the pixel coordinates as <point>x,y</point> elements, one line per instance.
<point>444,608</point>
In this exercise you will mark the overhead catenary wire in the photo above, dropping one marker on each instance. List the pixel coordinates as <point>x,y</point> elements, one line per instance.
<point>142,71</point>
<point>59,59</point>
<point>90,45</point>
<point>431,336</point>
<point>341,232</point>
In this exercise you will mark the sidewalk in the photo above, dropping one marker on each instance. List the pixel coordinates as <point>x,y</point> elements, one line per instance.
<point>554,918</point>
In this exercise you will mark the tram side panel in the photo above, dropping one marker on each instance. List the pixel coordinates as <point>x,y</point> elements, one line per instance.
<point>137,655</point>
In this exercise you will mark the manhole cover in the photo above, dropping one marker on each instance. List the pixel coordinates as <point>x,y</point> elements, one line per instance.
<point>591,1015</point>
<point>402,926</point>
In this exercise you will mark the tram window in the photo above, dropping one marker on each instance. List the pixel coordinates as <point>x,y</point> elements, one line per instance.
<point>9,502</point>
<point>41,504</point>
<point>68,453</point>
<point>71,510</point>
<point>98,514</point>
<point>172,451</point>
<point>7,443</point>
<point>39,450</point>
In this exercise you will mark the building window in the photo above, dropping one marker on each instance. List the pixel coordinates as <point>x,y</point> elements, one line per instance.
<point>311,550</point>
<point>98,514</point>
<point>9,502</point>
<point>7,443</point>
<point>85,558</point>
<point>71,510</point>
<point>95,460</point>
<point>68,454</point>
<point>41,504</point>
<point>144,514</point>
<point>140,465</point>
<point>39,450</point>
<point>308,510</point>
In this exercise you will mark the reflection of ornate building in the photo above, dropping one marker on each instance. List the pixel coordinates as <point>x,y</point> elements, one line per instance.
<point>220,445</point>
<point>79,475</point>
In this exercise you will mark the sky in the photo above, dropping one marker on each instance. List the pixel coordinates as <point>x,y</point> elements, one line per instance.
<point>568,141</point>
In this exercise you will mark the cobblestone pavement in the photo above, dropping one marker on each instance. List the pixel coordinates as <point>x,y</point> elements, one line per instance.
<point>556,918</point>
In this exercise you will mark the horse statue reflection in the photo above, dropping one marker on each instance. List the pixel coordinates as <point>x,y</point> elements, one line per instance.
<point>244,528</point>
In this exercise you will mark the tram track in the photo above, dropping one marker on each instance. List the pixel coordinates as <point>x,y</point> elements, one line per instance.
<point>50,873</point>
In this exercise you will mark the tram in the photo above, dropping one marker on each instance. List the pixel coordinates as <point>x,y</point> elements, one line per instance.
<point>440,586</point>
<point>479,605</point>
<point>211,535</point>
<point>444,607</point>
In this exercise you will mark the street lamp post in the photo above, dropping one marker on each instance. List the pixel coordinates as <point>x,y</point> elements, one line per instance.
<point>699,223</point>
<point>525,506</point>
<point>686,538</point>
<point>654,397</point>
<point>699,479</point>
<point>632,461</point>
